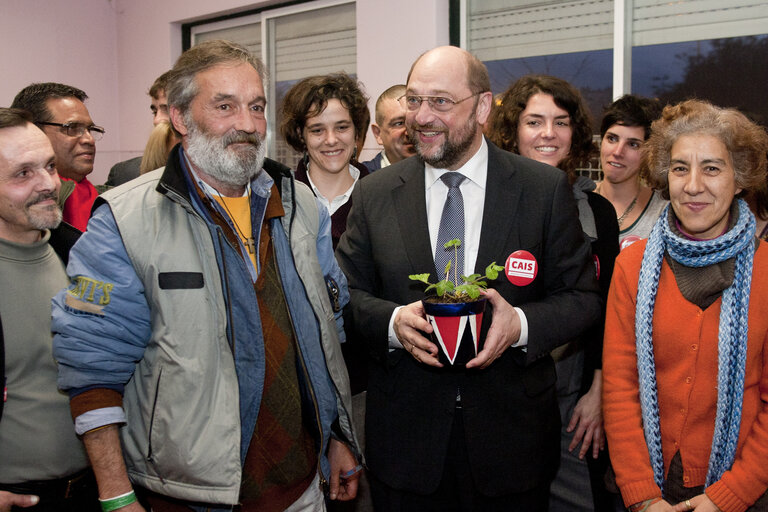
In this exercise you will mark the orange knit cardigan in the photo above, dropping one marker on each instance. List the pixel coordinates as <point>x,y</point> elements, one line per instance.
<point>685,348</point>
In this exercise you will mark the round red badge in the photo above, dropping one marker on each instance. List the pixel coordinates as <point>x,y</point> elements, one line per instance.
<point>521,268</point>
<point>627,241</point>
<point>597,265</point>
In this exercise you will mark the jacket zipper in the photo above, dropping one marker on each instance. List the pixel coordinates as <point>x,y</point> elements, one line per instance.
<point>225,281</point>
<point>150,455</point>
<point>323,480</point>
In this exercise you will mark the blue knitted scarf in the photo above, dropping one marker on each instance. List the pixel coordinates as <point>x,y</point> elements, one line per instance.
<point>738,242</point>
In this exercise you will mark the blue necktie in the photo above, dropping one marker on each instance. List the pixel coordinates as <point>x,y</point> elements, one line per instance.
<point>451,226</point>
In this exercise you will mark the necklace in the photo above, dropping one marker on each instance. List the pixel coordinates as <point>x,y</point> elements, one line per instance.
<point>628,210</point>
<point>620,219</point>
<point>249,242</point>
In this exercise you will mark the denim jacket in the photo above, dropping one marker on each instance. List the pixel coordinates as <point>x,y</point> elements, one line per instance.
<point>155,310</point>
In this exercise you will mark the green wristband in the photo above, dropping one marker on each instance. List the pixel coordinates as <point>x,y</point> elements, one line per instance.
<point>117,502</point>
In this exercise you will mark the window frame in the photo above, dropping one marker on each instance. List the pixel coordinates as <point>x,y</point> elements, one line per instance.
<point>264,15</point>
<point>623,38</point>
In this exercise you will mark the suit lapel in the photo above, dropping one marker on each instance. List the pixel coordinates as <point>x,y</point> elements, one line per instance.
<point>411,211</point>
<point>502,200</point>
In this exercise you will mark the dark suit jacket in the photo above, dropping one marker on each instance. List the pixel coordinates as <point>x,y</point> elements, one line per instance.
<point>124,171</point>
<point>375,163</point>
<point>509,409</point>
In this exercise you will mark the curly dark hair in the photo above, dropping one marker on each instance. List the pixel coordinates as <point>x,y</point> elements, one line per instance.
<point>746,142</point>
<point>633,111</point>
<point>309,98</point>
<point>505,116</point>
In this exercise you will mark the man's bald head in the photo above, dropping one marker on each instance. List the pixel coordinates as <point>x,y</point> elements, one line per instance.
<point>476,74</point>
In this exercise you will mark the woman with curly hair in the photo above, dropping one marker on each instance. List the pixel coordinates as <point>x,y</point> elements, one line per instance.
<point>324,117</point>
<point>544,118</point>
<point>685,362</point>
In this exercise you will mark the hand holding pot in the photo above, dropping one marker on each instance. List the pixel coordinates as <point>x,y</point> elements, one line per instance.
<point>503,333</point>
<point>410,322</point>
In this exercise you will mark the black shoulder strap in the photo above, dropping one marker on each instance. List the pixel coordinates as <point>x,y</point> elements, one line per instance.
<point>62,239</point>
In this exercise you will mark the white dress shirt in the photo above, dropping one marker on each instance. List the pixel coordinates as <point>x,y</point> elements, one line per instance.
<point>337,202</point>
<point>473,193</point>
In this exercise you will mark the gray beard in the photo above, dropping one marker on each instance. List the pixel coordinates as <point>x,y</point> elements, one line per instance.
<point>48,218</point>
<point>452,150</point>
<point>212,155</point>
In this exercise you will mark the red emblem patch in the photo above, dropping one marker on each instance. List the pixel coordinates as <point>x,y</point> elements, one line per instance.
<point>521,268</point>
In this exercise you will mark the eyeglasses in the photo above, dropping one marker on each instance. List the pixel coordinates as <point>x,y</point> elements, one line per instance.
<point>78,129</point>
<point>412,102</point>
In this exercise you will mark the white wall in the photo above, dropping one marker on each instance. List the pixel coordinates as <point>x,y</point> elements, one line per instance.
<point>390,36</point>
<point>71,42</point>
<point>114,49</point>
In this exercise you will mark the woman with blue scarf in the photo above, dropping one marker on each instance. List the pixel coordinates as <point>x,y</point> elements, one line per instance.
<point>685,361</point>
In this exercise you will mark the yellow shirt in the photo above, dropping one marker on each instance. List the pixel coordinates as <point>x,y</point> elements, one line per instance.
<point>239,209</point>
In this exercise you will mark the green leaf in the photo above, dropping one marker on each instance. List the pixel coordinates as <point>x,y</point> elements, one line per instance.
<point>492,271</point>
<point>444,288</point>
<point>452,243</point>
<point>471,279</point>
<point>424,278</point>
<point>471,290</point>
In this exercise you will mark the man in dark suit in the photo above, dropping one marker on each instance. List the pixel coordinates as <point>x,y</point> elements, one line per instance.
<point>389,130</point>
<point>484,437</point>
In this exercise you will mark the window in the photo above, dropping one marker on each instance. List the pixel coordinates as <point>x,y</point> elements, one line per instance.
<point>672,50</point>
<point>568,39</point>
<point>660,48</point>
<point>294,42</point>
<point>704,49</point>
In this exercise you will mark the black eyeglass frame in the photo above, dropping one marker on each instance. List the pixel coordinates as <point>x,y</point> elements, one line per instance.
<point>432,101</point>
<point>78,129</point>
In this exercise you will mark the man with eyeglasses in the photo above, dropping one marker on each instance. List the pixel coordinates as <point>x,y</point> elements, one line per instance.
<point>484,436</point>
<point>59,110</point>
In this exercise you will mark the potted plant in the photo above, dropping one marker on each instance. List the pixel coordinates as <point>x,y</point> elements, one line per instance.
<point>456,311</point>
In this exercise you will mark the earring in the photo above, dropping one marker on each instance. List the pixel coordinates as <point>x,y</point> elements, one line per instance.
<point>354,153</point>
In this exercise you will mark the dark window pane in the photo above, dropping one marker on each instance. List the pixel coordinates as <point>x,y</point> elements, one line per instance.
<point>590,72</point>
<point>728,72</point>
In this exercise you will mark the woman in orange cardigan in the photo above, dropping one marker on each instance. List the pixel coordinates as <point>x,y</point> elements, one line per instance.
<point>685,361</point>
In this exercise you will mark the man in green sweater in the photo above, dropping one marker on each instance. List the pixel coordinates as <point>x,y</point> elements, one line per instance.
<point>43,464</point>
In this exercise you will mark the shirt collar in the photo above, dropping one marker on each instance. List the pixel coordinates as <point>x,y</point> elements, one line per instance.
<point>384,160</point>
<point>261,184</point>
<point>475,170</point>
<point>353,171</point>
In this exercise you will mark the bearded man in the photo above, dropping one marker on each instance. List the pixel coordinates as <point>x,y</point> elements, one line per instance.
<point>485,436</point>
<point>199,318</point>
